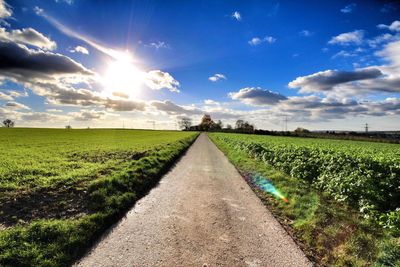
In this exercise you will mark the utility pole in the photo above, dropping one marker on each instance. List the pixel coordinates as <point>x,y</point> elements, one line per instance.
<point>366,128</point>
<point>123,124</point>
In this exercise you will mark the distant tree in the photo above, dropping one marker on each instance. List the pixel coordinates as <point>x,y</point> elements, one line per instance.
<point>206,123</point>
<point>239,124</point>
<point>68,127</point>
<point>242,126</point>
<point>218,125</point>
<point>185,123</point>
<point>301,130</point>
<point>7,123</point>
<point>229,127</point>
<point>248,128</point>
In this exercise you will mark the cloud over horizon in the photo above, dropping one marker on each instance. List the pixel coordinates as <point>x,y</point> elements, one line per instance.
<point>256,96</point>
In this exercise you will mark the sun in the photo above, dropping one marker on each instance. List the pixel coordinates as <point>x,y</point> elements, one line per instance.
<point>122,77</point>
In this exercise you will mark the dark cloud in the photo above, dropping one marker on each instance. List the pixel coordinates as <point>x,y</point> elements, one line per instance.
<point>326,80</point>
<point>88,115</point>
<point>124,105</point>
<point>174,109</point>
<point>18,60</point>
<point>314,108</point>
<point>15,105</point>
<point>257,96</point>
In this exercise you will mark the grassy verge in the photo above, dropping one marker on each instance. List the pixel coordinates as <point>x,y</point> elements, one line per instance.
<point>331,234</point>
<point>106,197</point>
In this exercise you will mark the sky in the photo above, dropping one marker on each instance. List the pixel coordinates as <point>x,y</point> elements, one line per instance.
<point>320,65</point>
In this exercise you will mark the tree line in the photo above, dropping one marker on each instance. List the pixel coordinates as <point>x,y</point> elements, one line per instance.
<point>208,125</point>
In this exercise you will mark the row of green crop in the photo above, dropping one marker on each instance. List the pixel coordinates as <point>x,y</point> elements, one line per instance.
<point>60,242</point>
<point>372,186</point>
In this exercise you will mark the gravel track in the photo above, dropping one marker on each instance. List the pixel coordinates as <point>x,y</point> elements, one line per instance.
<point>201,214</point>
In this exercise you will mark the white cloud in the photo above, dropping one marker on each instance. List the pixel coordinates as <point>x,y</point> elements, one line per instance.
<point>395,26</point>
<point>256,96</point>
<point>69,2</point>
<point>42,117</point>
<point>391,52</point>
<point>17,94</point>
<point>80,49</point>
<point>158,45</point>
<point>120,94</point>
<point>4,96</point>
<point>216,77</point>
<point>10,95</point>
<point>157,79</point>
<point>354,37</point>
<point>28,36</point>
<point>236,15</point>
<point>359,82</point>
<point>344,54</point>
<point>54,110</point>
<point>381,39</point>
<point>306,33</point>
<point>257,41</point>
<point>349,8</point>
<point>210,102</point>
<point>15,105</point>
<point>5,10</point>
<point>87,115</point>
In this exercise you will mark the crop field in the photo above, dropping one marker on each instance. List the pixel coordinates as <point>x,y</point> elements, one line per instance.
<point>342,191</point>
<point>59,189</point>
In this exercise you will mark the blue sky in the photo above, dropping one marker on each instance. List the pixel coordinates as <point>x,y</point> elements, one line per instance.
<point>324,65</point>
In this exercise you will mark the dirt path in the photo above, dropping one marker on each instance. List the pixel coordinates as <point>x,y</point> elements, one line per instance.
<point>202,214</point>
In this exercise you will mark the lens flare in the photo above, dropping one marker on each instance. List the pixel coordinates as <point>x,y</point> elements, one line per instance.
<point>265,185</point>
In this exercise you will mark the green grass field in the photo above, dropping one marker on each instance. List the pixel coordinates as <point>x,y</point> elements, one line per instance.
<point>343,195</point>
<point>59,189</point>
